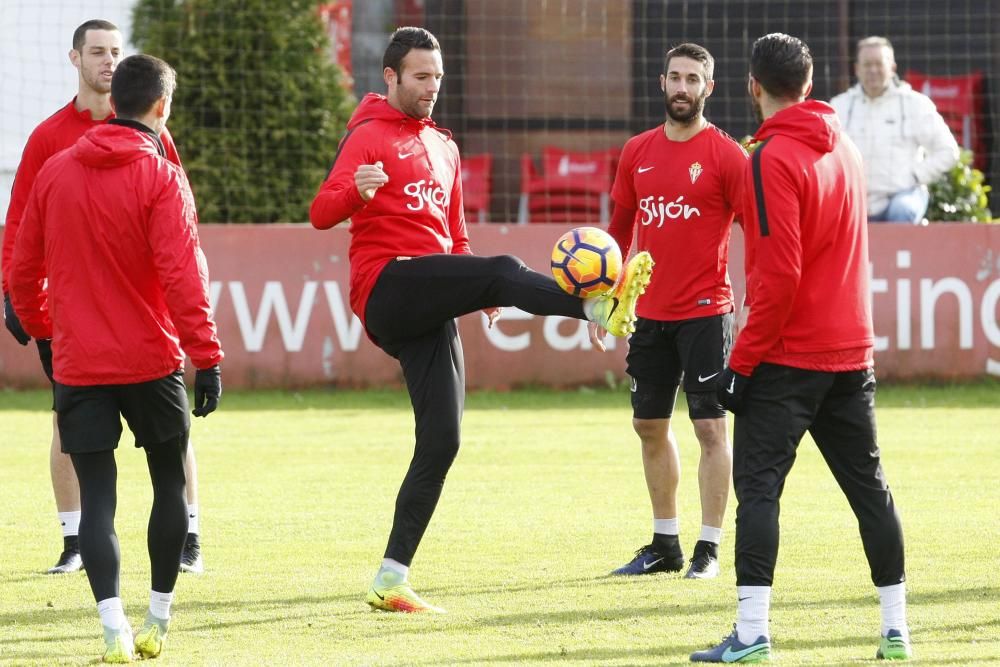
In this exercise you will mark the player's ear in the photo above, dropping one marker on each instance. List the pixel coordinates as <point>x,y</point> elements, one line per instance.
<point>74,58</point>
<point>709,87</point>
<point>389,76</point>
<point>663,83</point>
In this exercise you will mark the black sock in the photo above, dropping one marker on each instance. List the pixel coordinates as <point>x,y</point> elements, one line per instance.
<point>71,543</point>
<point>666,545</point>
<point>704,546</point>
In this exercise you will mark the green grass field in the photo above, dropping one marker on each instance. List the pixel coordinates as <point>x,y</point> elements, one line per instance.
<point>546,497</point>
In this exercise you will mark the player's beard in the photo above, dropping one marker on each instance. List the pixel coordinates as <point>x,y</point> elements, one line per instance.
<point>695,108</point>
<point>410,104</point>
<point>94,81</point>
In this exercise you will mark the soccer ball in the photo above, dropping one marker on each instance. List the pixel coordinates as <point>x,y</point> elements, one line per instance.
<point>586,262</point>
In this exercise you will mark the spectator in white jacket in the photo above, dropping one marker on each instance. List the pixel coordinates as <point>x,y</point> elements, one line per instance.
<point>904,142</point>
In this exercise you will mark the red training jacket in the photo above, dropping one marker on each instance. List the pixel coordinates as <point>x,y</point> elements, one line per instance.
<point>113,226</point>
<point>806,247</point>
<point>57,132</point>
<point>418,212</point>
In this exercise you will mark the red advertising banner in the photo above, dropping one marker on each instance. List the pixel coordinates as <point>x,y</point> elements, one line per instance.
<point>280,294</point>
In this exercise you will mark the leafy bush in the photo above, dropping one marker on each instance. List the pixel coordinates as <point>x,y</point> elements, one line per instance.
<point>960,194</point>
<point>259,106</point>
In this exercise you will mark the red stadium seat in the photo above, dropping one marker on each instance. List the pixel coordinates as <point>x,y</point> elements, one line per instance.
<point>572,187</point>
<point>959,100</point>
<point>477,181</point>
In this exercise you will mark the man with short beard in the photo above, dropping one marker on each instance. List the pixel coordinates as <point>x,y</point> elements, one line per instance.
<point>397,179</point>
<point>678,184</point>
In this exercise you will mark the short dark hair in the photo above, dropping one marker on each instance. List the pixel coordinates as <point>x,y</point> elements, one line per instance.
<point>138,82</point>
<point>694,52</point>
<point>403,40</point>
<point>782,64</point>
<point>80,34</point>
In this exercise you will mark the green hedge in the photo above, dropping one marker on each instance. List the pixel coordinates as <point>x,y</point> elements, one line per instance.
<point>259,106</point>
<point>960,194</point>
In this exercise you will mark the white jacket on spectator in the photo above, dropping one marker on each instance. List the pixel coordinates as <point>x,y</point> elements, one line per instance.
<point>902,138</point>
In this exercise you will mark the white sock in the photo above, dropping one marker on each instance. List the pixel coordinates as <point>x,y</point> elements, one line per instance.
<point>892,600</point>
<point>159,604</point>
<point>70,522</point>
<point>193,518</point>
<point>751,612</point>
<point>112,613</point>
<point>395,566</point>
<point>588,309</point>
<point>711,534</point>
<point>666,526</point>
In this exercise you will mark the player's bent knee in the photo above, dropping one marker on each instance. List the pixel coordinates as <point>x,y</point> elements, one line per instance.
<point>704,405</point>
<point>508,264</point>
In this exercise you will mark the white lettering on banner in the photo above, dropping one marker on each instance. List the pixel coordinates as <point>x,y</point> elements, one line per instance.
<point>347,326</point>
<point>253,329</point>
<point>988,313</point>
<point>653,210</point>
<point>214,290</point>
<point>878,286</point>
<point>579,339</point>
<point>273,298</point>
<point>929,293</point>
<point>903,308</point>
<point>434,196</point>
<point>502,341</point>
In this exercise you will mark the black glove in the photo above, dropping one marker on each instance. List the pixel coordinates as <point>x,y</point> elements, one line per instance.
<point>45,355</point>
<point>207,390</point>
<point>13,324</point>
<point>729,388</point>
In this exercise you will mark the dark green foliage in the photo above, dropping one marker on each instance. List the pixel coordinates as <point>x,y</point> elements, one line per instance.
<point>259,106</point>
<point>960,195</point>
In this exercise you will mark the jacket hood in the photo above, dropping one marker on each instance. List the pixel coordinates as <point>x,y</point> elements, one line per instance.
<point>376,107</point>
<point>112,145</point>
<point>812,122</point>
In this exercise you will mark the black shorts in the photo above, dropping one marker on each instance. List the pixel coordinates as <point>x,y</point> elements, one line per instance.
<point>90,417</point>
<point>45,356</point>
<point>663,354</point>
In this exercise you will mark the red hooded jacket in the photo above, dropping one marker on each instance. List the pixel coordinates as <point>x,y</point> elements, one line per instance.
<point>112,224</point>
<point>806,247</point>
<point>418,212</point>
<point>57,132</point>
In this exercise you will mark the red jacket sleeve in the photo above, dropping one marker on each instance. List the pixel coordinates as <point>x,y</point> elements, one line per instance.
<point>456,213</point>
<point>27,272</point>
<point>182,270</point>
<point>773,229</point>
<point>338,197</point>
<point>622,224</point>
<point>622,227</point>
<point>31,162</point>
